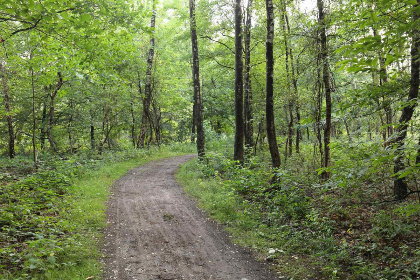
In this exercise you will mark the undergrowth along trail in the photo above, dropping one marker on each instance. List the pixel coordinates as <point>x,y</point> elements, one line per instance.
<point>52,220</point>
<point>305,229</point>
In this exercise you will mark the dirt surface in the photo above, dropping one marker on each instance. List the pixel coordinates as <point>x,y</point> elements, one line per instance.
<point>155,232</point>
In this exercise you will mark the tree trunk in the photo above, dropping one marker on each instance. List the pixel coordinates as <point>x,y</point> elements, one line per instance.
<point>318,114</point>
<point>92,137</point>
<point>269,107</point>
<point>33,118</point>
<point>198,117</point>
<point>51,112</point>
<point>346,124</point>
<point>327,86</point>
<point>194,122</point>
<point>418,153</point>
<point>288,149</point>
<point>290,130</point>
<point>294,76</point>
<point>249,129</point>
<point>69,128</point>
<point>400,186</point>
<point>44,123</point>
<point>383,79</point>
<point>239,86</point>
<point>148,86</point>
<point>133,121</point>
<point>8,111</point>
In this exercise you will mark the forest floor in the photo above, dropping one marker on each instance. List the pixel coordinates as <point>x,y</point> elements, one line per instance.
<point>156,232</point>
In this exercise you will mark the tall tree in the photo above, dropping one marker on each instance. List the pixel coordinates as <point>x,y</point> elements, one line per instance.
<point>294,76</point>
<point>269,107</point>
<point>33,112</point>
<point>249,118</point>
<point>8,111</point>
<point>239,86</point>
<point>288,51</point>
<point>53,95</point>
<point>327,85</point>
<point>148,86</point>
<point>197,116</point>
<point>400,185</point>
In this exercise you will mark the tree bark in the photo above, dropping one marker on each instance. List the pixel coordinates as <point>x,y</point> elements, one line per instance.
<point>34,151</point>
<point>294,76</point>
<point>53,95</point>
<point>148,86</point>
<point>193,123</point>
<point>44,122</point>
<point>400,185</point>
<point>92,137</point>
<point>238,154</point>
<point>8,112</point>
<point>290,130</point>
<point>318,89</point>
<point>249,122</point>
<point>383,79</point>
<point>198,116</point>
<point>290,97</point>
<point>269,107</point>
<point>327,86</point>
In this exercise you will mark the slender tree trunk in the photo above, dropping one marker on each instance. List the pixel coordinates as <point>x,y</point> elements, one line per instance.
<point>194,122</point>
<point>294,76</point>
<point>418,153</point>
<point>158,127</point>
<point>269,107</point>
<point>239,86</point>
<point>400,186</point>
<point>346,124</point>
<point>44,123</point>
<point>92,137</point>
<point>327,86</point>
<point>383,79</point>
<point>69,128</point>
<point>259,136</point>
<point>290,130</point>
<point>318,115</point>
<point>105,130</point>
<point>196,82</point>
<point>33,119</point>
<point>249,122</point>
<point>148,86</point>
<point>51,112</point>
<point>133,123</point>
<point>8,112</point>
<point>288,149</point>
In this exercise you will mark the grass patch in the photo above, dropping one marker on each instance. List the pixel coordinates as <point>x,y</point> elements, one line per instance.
<point>62,240</point>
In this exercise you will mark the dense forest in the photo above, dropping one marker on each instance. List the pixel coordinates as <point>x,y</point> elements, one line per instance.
<point>303,115</point>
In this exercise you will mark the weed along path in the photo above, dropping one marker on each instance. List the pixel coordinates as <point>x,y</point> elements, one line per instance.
<point>155,232</point>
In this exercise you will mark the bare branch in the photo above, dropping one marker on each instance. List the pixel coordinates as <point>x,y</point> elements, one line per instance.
<point>223,44</point>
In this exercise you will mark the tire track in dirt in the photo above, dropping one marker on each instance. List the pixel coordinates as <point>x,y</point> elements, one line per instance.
<point>155,232</point>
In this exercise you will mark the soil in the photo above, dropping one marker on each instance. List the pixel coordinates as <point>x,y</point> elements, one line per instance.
<point>156,232</point>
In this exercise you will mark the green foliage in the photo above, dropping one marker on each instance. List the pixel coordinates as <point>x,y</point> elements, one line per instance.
<point>51,220</point>
<point>338,229</point>
<point>31,227</point>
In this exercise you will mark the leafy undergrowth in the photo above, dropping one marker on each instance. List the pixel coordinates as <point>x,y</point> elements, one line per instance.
<point>51,220</point>
<point>339,229</point>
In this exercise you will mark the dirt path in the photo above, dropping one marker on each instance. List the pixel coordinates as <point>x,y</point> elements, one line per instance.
<point>156,232</point>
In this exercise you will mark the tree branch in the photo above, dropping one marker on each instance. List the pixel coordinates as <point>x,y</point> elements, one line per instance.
<point>223,44</point>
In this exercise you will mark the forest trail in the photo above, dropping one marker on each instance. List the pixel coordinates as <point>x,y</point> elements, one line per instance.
<point>155,232</point>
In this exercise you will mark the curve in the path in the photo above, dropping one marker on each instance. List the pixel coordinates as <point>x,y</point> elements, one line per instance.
<point>155,232</point>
